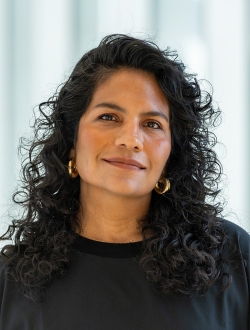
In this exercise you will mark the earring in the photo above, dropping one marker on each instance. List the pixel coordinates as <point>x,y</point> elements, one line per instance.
<point>162,186</point>
<point>72,168</point>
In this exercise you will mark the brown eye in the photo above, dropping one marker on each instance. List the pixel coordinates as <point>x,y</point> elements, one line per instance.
<point>153,124</point>
<point>107,117</point>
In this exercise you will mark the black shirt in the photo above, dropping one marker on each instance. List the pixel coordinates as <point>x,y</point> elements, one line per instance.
<point>104,289</point>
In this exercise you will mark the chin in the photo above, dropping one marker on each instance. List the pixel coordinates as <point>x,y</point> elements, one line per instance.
<point>131,193</point>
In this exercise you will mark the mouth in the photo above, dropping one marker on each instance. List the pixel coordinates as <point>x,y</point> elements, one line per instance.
<point>128,163</point>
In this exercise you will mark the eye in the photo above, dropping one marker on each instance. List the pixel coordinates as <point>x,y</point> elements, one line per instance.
<point>107,117</point>
<point>153,124</point>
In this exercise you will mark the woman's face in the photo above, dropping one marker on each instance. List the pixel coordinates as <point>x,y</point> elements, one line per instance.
<point>124,137</point>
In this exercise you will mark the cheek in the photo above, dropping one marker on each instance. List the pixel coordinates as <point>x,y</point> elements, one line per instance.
<point>161,151</point>
<point>88,145</point>
<point>160,154</point>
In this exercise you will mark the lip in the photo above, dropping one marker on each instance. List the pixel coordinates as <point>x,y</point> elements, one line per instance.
<point>125,161</point>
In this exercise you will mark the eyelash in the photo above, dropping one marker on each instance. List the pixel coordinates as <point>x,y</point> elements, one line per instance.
<point>154,122</point>
<point>106,115</point>
<point>111,116</point>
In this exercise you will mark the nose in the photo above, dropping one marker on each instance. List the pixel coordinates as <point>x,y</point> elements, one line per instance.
<point>130,137</point>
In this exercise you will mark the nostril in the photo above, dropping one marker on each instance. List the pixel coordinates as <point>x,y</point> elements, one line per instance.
<point>131,144</point>
<point>129,141</point>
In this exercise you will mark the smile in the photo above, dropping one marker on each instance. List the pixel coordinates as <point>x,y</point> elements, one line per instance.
<point>125,163</point>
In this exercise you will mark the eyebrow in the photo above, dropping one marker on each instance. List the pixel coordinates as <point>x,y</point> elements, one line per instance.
<point>154,113</point>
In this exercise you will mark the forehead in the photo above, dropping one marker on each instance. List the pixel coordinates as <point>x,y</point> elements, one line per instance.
<point>133,84</point>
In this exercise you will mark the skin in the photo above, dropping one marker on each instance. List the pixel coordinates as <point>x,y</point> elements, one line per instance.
<point>128,117</point>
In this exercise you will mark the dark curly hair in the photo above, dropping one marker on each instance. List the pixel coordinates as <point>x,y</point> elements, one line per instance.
<point>183,234</point>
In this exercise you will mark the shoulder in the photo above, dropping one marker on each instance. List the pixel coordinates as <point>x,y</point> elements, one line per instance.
<point>239,246</point>
<point>237,234</point>
<point>233,228</point>
<point>2,272</point>
<point>3,275</point>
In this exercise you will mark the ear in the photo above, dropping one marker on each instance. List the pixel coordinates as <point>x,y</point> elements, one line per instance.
<point>72,153</point>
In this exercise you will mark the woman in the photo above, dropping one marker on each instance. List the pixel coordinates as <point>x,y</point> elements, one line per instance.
<point>121,229</point>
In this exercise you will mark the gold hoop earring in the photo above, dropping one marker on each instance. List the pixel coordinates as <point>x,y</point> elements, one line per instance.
<point>72,168</point>
<point>162,186</point>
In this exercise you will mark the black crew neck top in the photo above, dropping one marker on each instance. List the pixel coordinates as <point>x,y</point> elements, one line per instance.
<point>105,289</point>
<point>107,250</point>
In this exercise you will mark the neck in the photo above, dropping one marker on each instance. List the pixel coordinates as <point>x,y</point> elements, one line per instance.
<point>109,218</point>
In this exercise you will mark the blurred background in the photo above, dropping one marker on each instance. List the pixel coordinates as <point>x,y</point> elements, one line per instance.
<point>41,41</point>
